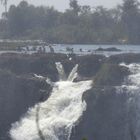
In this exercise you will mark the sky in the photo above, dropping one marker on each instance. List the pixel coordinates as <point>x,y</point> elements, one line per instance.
<point>64,4</point>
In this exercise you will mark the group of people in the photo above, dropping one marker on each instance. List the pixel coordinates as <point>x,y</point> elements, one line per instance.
<point>41,49</point>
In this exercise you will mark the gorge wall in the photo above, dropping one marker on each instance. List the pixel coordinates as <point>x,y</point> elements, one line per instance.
<point>108,114</point>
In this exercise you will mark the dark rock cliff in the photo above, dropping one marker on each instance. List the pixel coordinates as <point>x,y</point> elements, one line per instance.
<point>17,94</point>
<point>106,117</point>
<point>107,112</point>
<point>110,114</point>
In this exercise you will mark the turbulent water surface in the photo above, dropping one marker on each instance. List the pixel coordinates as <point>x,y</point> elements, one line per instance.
<point>131,86</point>
<point>54,118</point>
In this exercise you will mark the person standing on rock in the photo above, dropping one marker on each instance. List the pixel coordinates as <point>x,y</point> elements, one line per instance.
<point>51,49</point>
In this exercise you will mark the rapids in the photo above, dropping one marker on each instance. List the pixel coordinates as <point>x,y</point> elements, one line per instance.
<point>54,118</point>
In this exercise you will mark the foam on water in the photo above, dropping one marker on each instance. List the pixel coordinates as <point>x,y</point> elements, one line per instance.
<point>132,87</point>
<point>54,118</point>
<point>61,72</point>
<point>73,73</point>
<point>133,80</point>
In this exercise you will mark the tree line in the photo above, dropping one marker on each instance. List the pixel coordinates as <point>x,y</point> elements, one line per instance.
<point>78,24</point>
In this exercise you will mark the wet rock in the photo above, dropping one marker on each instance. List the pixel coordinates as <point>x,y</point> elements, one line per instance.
<point>126,58</point>
<point>106,117</point>
<point>109,49</point>
<point>106,114</point>
<point>90,65</point>
<point>110,75</point>
<point>17,95</point>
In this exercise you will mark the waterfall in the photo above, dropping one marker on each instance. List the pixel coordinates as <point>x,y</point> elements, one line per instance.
<point>132,87</point>
<point>54,118</point>
<point>61,72</point>
<point>132,83</point>
<point>48,80</point>
<point>73,73</point>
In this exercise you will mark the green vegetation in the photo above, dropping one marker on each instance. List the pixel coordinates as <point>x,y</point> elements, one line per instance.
<point>78,24</point>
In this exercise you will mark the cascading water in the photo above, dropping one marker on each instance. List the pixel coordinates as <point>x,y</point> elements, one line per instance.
<point>132,87</point>
<point>48,80</point>
<point>132,83</point>
<point>54,118</point>
<point>73,73</point>
<point>61,72</point>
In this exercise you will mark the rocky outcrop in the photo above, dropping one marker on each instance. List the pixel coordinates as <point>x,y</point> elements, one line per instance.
<point>113,49</point>
<point>126,58</point>
<point>89,65</point>
<point>110,75</point>
<point>17,94</point>
<point>107,114</point>
<point>106,117</point>
<point>107,111</point>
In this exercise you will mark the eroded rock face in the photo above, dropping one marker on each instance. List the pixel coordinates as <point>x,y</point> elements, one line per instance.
<point>111,75</point>
<point>113,49</point>
<point>44,64</point>
<point>17,94</point>
<point>126,58</point>
<point>19,89</point>
<point>107,112</point>
<point>110,114</point>
<point>106,116</point>
<point>29,64</point>
<point>90,65</point>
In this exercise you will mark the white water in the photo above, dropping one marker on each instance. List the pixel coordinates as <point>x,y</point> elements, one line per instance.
<point>73,73</point>
<point>61,72</point>
<point>48,80</point>
<point>132,86</point>
<point>58,115</point>
<point>132,83</point>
